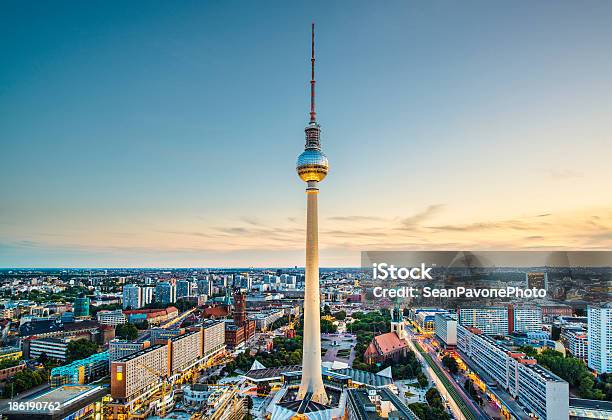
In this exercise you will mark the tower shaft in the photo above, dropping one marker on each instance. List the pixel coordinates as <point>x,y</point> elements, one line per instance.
<point>312,381</point>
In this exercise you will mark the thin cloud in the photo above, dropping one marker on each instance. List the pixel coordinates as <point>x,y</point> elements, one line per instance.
<point>561,174</point>
<point>420,217</point>
<point>354,218</point>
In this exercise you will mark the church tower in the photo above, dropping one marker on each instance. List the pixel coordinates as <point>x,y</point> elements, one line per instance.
<point>397,322</point>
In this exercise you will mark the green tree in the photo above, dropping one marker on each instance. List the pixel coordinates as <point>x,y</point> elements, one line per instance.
<point>328,327</point>
<point>451,364</point>
<point>81,349</point>
<point>340,315</point>
<point>528,350</point>
<point>126,331</point>
<point>422,380</point>
<point>434,399</point>
<point>576,373</point>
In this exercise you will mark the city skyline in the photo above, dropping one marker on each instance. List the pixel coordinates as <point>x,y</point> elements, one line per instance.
<point>137,138</point>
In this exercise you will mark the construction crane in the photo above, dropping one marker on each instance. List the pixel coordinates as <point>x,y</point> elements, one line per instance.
<point>164,378</point>
<point>290,331</point>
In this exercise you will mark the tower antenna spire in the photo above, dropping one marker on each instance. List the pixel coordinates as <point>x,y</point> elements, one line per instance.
<point>313,114</point>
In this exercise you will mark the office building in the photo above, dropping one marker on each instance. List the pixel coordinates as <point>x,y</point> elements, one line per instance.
<point>263,320</point>
<point>446,330</point>
<point>600,337</point>
<point>112,318</point>
<point>53,348</point>
<point>82,371</point>
<point>552,311</point>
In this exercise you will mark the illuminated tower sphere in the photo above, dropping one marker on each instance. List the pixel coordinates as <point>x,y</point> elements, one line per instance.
<point>312,167</point>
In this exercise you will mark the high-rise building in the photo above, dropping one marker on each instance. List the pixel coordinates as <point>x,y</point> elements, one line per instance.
<point>147,295</point>
<point>81,306</point>
<point>165,293</point>
<point>312,167</point>
<point>524,318</point>
<point>489,320</point>
<point>446,329</point>
<point>182,288</point>
<point>205,287</point>
<point>132,297</point>
<point>599,329</point>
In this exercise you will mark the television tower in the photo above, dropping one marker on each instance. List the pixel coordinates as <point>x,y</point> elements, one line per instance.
<point>312,167</point>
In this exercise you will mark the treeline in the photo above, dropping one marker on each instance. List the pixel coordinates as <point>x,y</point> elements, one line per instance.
<point>24,380</point>
<point>286,352</point>
<point>433,410</point>
<point>576,373</point>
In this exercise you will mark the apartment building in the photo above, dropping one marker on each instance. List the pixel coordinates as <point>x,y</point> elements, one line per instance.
<point>185,349</point>
<point>524,319</point>
<point>213,337</point>
<point>600,337</point>
<point>132,374</point>
<point>490,320</point>
<point>537,389</point>
<point>575,342</point>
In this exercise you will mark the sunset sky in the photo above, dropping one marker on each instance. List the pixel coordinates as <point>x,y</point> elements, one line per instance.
<point>165,134</point>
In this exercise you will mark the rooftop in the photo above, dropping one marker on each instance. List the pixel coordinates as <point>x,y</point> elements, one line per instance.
<point>139,353</point>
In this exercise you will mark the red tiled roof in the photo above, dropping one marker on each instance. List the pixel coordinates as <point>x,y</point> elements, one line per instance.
<point>215,311</point>
<point>389,342</point>
<point>371,350</point>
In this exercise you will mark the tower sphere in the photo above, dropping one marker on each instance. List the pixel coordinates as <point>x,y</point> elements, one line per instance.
<point>312,165</point>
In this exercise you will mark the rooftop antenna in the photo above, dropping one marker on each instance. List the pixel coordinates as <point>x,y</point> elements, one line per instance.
<point>313,114</point>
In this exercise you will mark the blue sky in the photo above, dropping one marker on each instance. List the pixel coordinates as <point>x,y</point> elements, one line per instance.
<point>158,133</point>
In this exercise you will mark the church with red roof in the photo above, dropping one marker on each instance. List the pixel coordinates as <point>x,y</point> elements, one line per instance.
<point>391,345</point>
